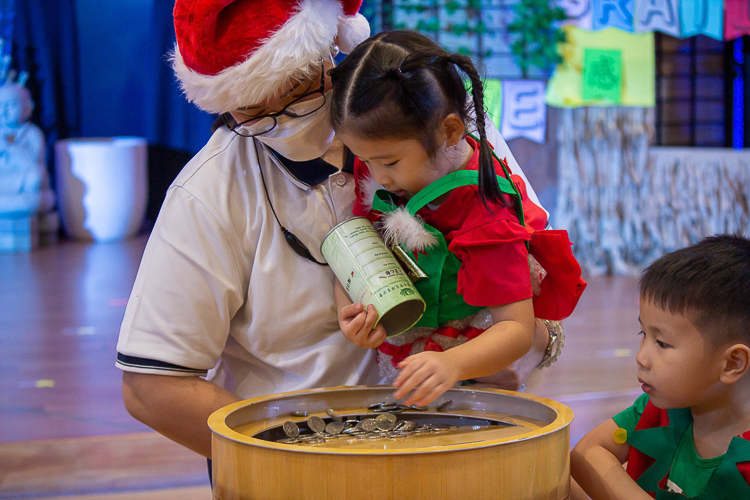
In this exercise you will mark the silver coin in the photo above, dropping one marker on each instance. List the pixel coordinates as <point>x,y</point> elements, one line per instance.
<point>334,416</point>
<point>387,416</point>
<point>410,425</point>
<point>335,428</point>
<point>407,425</point>
<point>316,424</point>
<point>386,421</point>
<point>288,441</point>
<point>369,425</point>
<point>298,413</point>
<point>445,404</point>
<point>384,425</point>
<point>413,408</point>
<point>290,429</point>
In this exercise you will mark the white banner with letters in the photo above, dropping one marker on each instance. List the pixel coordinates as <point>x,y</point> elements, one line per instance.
<point>524,111</point>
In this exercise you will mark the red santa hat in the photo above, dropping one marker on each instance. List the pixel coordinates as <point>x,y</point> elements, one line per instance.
<point>234,53</point>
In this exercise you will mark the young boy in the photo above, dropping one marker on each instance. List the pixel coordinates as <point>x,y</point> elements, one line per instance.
<point>688,436</point>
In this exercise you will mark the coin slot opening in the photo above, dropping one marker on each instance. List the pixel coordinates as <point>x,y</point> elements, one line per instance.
<point>276,433</point>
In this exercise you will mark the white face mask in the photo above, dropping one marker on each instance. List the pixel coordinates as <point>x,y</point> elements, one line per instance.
<point>304,138</point>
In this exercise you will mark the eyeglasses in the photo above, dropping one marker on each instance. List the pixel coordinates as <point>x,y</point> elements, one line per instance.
<point>295,109</point>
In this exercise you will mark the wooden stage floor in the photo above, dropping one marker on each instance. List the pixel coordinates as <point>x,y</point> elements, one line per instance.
<point>64,431</point>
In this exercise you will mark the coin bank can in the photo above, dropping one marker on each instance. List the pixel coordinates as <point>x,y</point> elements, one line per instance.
<point>371,274</point>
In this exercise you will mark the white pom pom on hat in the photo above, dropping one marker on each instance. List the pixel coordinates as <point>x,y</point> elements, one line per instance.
<point>234,53</point>
<point>352,30</point>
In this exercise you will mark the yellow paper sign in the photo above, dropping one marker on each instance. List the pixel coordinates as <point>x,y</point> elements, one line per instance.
<point>637,84</point>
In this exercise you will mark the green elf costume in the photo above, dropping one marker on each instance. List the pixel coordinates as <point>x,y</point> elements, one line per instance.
<point>663,460</point>
<point>473,257</point>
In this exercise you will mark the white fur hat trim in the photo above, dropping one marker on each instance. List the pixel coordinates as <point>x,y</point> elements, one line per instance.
<point>291,53</point>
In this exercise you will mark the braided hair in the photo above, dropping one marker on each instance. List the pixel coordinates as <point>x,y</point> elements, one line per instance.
<point>401,84</point>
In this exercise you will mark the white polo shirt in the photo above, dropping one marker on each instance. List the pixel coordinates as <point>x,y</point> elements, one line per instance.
<point>219,287</point>
<point>220,292</point>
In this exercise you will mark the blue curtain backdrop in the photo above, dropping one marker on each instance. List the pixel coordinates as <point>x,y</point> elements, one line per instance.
<point>44,45</point>
<point>100,69</point>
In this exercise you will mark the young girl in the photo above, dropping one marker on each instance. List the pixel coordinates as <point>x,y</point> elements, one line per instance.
<point>400,105</point>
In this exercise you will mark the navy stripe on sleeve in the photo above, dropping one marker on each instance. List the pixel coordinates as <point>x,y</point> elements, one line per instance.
<point>126,361</point>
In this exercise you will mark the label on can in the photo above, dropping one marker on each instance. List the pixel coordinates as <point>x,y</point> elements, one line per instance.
<point>371,274</point>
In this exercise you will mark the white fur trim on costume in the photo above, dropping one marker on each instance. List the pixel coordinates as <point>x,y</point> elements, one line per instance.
<point>352,31</point>
<point>292,53</point>
<point>368,187</point>
<point>407,230</point>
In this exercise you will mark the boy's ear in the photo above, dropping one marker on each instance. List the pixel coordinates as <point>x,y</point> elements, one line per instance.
<point>454,128</point>
<point>736,363</point>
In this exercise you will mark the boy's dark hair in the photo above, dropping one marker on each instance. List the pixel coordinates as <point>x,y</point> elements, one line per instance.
<point>709,283</point>
<point>401,84</point>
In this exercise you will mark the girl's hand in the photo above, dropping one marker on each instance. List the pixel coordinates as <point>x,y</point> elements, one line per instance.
<point>356,325</point>
<point>429,373</point>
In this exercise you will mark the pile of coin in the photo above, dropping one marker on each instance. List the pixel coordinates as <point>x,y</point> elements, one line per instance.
<point>384,426</point>
<point>398,408</point>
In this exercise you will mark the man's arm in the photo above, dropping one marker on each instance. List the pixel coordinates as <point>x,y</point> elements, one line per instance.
<point>596,464</point>
<point>177,407</point>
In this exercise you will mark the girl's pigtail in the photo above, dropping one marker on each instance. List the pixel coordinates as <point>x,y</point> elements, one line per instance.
<point>489,190</point>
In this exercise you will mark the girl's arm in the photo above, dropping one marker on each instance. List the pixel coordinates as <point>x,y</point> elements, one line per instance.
<point>430,374</point>
<point>596,464</point>
<point>355,322</point>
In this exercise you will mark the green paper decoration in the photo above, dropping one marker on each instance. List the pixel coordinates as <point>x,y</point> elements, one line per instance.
<point>537,30</point>
<point>602,75</point>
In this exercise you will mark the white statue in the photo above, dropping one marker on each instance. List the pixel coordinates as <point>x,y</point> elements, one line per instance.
<point>24,183</point>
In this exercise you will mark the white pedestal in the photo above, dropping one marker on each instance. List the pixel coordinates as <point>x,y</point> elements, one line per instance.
<point>102,186</point>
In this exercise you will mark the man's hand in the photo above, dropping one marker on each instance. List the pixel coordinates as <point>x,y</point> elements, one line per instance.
<point>428,373</point>
<point>357,325</point>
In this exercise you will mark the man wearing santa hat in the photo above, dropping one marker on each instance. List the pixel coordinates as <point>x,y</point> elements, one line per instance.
<point>233,299</point>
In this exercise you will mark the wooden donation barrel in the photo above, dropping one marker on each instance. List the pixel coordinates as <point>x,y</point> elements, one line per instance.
<point>359,443</point>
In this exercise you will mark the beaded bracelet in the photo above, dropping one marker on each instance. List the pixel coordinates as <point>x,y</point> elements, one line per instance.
<point>555,344</point>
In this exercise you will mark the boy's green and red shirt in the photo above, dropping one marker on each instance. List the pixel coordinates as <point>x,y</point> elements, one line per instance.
<point>658,452</point>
